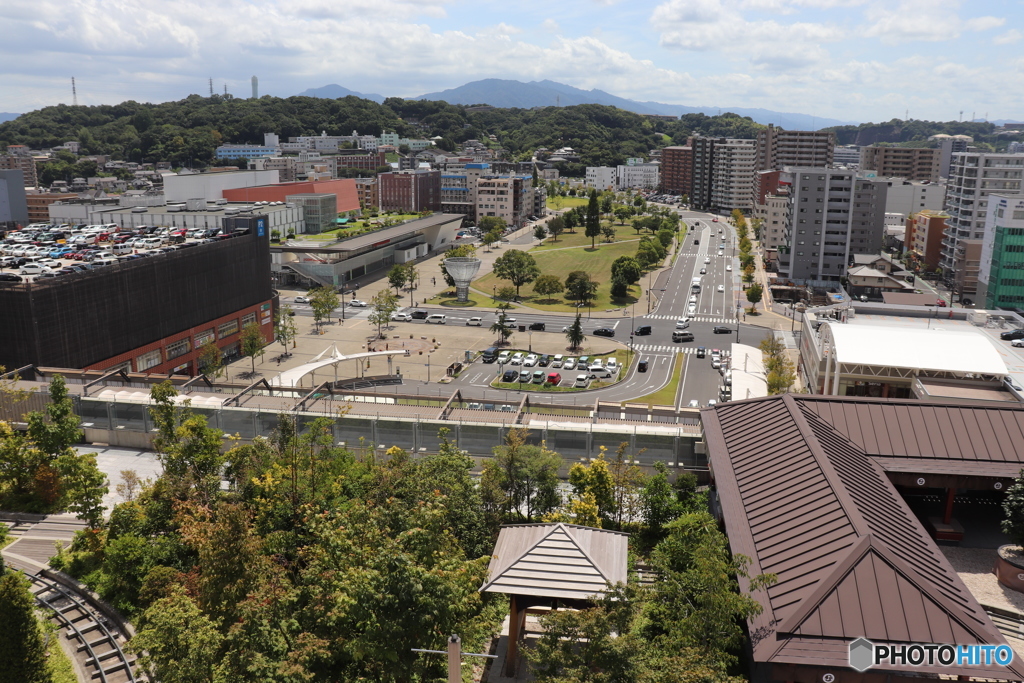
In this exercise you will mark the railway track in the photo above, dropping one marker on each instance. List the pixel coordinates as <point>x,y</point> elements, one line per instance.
<point>98,642</point>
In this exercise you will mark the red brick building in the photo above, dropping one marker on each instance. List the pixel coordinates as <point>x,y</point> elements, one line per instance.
<point>677,170</point>
<point>410,191</point>
<point>344,189</point>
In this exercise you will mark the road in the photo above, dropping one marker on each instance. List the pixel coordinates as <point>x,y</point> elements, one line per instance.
<point>708,246</point>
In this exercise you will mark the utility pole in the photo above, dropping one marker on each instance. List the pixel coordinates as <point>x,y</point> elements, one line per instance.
<point>74,92</point>
<point>455,655</point>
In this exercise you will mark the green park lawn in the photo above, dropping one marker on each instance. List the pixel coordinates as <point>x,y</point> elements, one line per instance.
<point>560,262</point>
<point>557,203</point>
<point>580,239</point>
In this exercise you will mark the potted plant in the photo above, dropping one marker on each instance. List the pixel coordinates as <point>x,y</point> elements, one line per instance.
<point>1009,567</point>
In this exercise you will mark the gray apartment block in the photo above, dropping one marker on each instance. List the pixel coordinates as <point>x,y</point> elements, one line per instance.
<point>832,215</point>
<point>703,172</point>
<point>13,206</point>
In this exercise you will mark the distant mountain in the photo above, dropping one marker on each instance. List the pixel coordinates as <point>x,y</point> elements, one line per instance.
<point>506,93</point>
<point>7,116</point>
<point>334,91</point>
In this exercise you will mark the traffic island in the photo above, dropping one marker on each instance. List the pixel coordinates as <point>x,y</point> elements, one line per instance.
<point>623,358</point>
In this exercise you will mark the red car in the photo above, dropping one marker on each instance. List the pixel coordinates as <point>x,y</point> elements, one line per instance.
<point>122,238</point>
<point>103,237</point>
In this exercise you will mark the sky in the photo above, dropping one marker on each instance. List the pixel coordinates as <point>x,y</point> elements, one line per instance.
<point>853,60</point>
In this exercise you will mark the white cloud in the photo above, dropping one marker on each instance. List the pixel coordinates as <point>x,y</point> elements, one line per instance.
<point>1011,36</point>
<point>551,26</point>
<point>984,23</point>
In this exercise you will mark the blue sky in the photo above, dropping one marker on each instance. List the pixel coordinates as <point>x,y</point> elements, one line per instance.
<point>861,60</point>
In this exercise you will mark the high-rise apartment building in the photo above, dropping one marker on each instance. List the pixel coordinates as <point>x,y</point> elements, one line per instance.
<point>846,155</point>
<point>732,175</point>
<point>773,213</point>
<point>703,167</point>
<point>832,215</point>
<point>459,185</point>
<point>778,148</point>
<point>508,197</point>
<point>677,169</point>
<point>23,163</point>
<point>948,146</point>
<point>972,177</point>
<point>1001,276</point>
<point>13,208</point>
<point>912,163</point>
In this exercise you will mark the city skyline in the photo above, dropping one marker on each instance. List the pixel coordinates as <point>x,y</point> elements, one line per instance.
<point>853,60</point>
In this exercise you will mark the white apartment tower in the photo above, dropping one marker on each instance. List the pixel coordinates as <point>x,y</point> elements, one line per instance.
<point>972,177</point>
<point>734,166</point>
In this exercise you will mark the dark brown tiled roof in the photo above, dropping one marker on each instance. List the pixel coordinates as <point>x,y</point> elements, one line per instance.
<point>809,505</point>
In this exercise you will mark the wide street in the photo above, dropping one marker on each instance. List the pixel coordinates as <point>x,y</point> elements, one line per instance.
<point>708,246</point>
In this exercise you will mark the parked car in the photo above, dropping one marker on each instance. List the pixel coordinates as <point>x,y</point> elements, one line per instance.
<point>509,376</point>
<point>531,360</point>
<point>524,376</point>
<point>517,358</point>
<point>544,361</point>
<point>554,378</point>
<point>504,356</point>
<point>581,380</point>
<point>583,363</point>
<point>9,277</point>
<point>33,269</point>
<point>538,377</point>
<point>556,362</point>
<point>604,332</point>
<point>1012,334</point>
<point>1017,342</point>
<point>569,364</point>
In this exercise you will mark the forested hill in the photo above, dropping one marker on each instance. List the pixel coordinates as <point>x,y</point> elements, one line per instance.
<point>188,131</point>
<point>914,131</point>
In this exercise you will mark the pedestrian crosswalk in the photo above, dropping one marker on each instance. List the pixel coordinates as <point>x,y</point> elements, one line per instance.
<point>695,319</point>
<point>669,348</point>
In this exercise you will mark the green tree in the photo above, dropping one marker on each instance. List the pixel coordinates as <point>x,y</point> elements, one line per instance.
<point>754,293</point>
<point>507,293</point>
<point>556,226</point>
<point>593,220</point>
<point>382,306</point>
<point>596,479</point>
<point>619,287</point>
<point>609,233</point>
<point>516,266</point>
<point>571,220</point>
<point>285,330</point>
<point>665,237</point>
<point>488,223</point>
<point>22,655</point>
<point>398,276</point>
<point>548,285</point>
<point>499,326</point>
<point>82,485</point>
<point>780,374</point>
<point>628,269</point>
<point>606,203</point>
<point>574,335</point>
<point>539,232</point>
<point>622,213</point>
<point>56,429</point>
<point>521,481</point>
<point>323,301</point>
<point>176,642</point>
<point>211,361</point>
<point>658,502</point>
<point>251,343</point>
<point>188,449</point>
<point>580,287</point>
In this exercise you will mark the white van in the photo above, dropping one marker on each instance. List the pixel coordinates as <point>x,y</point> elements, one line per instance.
<point>437,318</point>
<point>119,249</point>
<point>150,243</point>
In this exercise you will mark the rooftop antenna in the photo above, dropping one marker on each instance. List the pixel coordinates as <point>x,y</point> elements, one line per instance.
<point>961,114</point>
<point>211,86</point>
<point>906,116</point>
<point>972,116</point>
<point>225,90</point>
<point>74,92</point>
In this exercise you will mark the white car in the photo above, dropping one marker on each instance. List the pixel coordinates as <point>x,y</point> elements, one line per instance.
<point>302,299</point>
<point>721,288</point>
<point>51,264</point>
<point>729,268</point>
<point>356,303</point>
<point>707,259</point>
<point>694,404</point>
<point>34,269</point>
<point>682,323</point>
<point>557,361</point>
<point>581,380</point>
<point>691,309</point>
<point>503,357</point>
<point>509,321</point>
<point>401,317</point>
<point>531,360</point>
<point>569,364</point>
<point>517,358</point>
<point>475,321</point>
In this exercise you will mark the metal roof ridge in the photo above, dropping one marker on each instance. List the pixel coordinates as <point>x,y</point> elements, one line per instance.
<point>850,508</point>
<point>555,527</point>
<point>872,544</point>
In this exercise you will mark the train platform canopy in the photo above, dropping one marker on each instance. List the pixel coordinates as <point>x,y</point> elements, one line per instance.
<point>801,486</point>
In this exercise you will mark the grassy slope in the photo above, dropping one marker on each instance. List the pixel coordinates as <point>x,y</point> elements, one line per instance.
<point>666,396</point>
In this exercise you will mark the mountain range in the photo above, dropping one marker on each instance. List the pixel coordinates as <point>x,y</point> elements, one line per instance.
<point>334,91</point>
<point>516,94</point>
